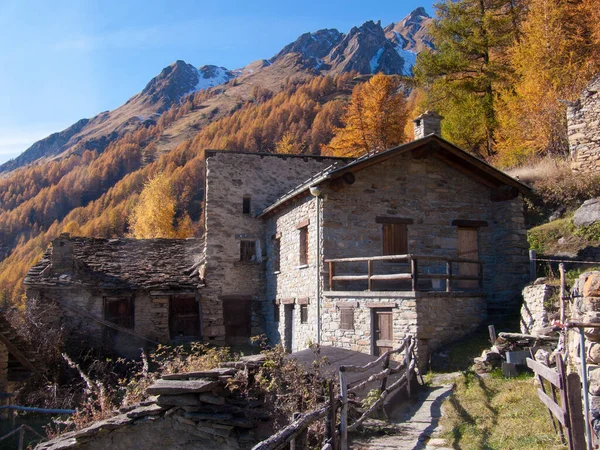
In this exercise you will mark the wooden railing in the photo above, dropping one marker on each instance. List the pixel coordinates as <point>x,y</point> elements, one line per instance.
<point>414,274</point>
<point>337,434</point>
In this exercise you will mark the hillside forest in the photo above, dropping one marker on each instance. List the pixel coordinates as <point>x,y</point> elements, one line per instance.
<point>501,73</point>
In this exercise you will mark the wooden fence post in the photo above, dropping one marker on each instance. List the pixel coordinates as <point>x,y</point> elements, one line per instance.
<point>344,413</point>
<point>561,268</point>
<point>414,268</point>
<point>332,418</point>
<point>576,411</point>
<point>532,267</point>
<point>21,437</point>
<point>407,356</point>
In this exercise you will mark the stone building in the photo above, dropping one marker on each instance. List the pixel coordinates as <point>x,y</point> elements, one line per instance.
<point>436,241</point>
<point>583,117</point>
<point>277,225</point>
<point>121,293</point>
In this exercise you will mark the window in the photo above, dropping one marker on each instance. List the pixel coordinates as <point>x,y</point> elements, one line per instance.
<point>275,312</point>
<point>119,311</point>
<point>276,254</point>
<point>303,256</point>
<point>246,204</point>
<point>303,313</point>
<point>247,250</point>
<point>347,318</point>
<point>395,239</point>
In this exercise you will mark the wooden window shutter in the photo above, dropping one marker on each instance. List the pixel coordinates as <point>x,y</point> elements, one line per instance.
<point>303,256</point>
<point>303,313</point>
<point>347,318</point>
<point>395,239</point>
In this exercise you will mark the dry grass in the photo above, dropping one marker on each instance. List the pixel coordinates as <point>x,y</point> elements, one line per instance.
<point>497,413</point>
<point>540,169</point>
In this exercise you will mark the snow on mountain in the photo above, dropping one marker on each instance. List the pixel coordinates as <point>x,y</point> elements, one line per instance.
<point>211,76</point>
<point>374,63</point>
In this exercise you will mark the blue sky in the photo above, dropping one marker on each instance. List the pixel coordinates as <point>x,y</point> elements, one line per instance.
<point>61,61</point>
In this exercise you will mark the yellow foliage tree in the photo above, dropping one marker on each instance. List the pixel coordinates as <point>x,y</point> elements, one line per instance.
<point>375,118</point>
<point>288,145</point>
<point>559,51</point>
<point>155,214</point>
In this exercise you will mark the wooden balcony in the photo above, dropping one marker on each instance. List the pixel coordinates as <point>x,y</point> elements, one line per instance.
<point>405,272</point>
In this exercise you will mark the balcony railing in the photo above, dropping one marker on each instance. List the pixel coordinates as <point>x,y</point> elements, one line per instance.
<point>470,278</point>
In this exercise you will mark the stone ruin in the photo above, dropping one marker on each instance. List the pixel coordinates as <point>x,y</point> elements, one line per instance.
<point>193,410</point>
<point>583,117</point>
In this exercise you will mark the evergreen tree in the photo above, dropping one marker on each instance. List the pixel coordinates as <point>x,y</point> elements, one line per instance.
<point>463,75</point>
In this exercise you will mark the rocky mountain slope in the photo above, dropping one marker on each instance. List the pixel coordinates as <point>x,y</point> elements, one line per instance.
<point>366,49</point>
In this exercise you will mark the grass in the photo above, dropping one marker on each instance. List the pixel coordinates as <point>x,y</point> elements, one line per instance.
<point>497,413</point>
<point>490,411</point>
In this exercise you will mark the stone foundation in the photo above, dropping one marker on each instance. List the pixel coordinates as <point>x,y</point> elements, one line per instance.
<point>434,318</point>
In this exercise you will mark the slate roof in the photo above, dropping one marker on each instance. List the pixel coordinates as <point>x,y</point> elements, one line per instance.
<point>126,264</point>
<point>444,150</point>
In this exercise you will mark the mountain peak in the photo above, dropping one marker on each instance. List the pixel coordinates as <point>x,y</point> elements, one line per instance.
<point>315,45</point>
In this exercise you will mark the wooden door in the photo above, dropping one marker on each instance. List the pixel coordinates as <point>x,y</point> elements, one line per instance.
<point>383,330</point>
<point>236,317</point>
<point>289,328</point>
<point>184,317</point>
<point>468,249</point>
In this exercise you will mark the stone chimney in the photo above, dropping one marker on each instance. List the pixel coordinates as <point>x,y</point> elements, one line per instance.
<point>61,257</point>
<point>428,123</point>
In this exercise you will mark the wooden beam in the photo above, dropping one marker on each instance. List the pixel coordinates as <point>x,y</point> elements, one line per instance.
<point>390,219</point>
<point>12,349</point>
<point>544,371</point>
<point>469,223</point>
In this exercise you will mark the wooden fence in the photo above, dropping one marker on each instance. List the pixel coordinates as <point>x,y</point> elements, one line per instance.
<point>294,434</point>
<point>568,412</point>
<point>414,275</point>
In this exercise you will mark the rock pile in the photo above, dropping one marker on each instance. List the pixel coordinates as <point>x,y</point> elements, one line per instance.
<point>193,410</point>
<point>537,311</point>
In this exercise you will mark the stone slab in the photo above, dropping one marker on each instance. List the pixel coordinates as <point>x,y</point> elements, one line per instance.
<point>174,387</point>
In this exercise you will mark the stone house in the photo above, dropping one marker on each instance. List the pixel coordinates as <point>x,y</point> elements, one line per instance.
<point>422,238</point>
<point>121,293</point>
<point>583,118</point>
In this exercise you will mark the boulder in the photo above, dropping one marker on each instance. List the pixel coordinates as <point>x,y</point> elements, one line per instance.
<point>588,213</point>
<point>594,380</point>
<point>591,288</point>
<point>593,353</point>
<point>593,334</point>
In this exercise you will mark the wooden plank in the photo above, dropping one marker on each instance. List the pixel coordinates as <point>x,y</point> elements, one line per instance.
<point>544,371</point>
<point>577,424</point>
<point>12,349</point>
<point>557,411</point>
<point>560,366</point>
<point>350,277</point>
<point>393,276</point>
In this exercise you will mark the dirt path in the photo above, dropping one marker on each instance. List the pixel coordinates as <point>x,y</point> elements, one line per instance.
<point>414,425</point>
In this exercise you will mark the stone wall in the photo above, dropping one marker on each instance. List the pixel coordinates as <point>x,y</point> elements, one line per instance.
<point>536,309</point>
<point>585,307</point>
<point>433,195</point>
<point>151,315</point>
<point>294,283</point>
<point>583,119</point>
<point>434,318</point>
<point>231,176</point>
<point>185,411</point>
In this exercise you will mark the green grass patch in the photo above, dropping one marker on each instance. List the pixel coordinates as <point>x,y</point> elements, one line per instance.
<point>497,413</point>
<point>544,237</point>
